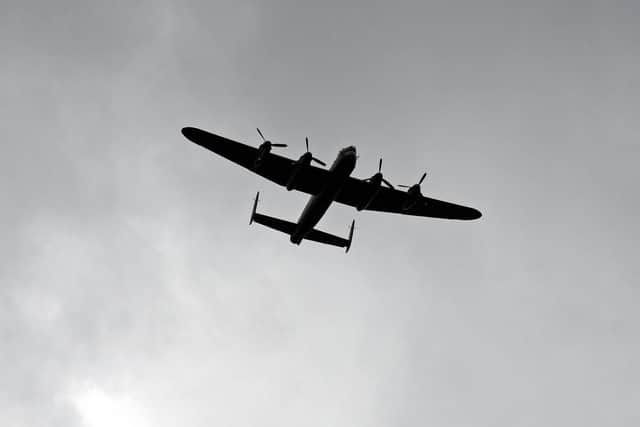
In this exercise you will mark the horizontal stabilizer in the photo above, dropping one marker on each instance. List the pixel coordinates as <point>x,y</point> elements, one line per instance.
<point>275,223</point>
<point>326,238</point>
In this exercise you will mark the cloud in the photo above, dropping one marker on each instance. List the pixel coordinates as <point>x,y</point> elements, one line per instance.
<point>133,288</point>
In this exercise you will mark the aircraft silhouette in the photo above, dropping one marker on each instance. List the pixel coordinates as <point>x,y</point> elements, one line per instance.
<point>325,186</point>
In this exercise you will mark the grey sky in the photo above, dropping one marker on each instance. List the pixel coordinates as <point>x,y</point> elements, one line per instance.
<point>133,292</point>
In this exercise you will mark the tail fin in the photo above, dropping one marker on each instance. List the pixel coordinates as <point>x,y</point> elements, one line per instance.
<point>350,236</point>
<point>255,205</point>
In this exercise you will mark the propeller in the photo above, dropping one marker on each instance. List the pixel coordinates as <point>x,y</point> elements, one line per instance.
<point>379,176</point>
<point>320,162</point>
<point>269,143</point>
<point>424,175</point>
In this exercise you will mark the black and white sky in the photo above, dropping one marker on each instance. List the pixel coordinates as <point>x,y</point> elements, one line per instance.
<point>134,293</point>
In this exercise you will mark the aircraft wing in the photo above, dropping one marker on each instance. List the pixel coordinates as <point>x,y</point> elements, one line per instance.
<point>312,179</point>
<point>274,167</point>
<point>392,200</point>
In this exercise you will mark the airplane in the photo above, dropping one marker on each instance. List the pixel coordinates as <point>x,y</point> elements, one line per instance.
<point>325,187</point>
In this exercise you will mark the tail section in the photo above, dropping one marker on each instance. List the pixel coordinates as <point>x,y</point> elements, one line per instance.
<point>290,227</point>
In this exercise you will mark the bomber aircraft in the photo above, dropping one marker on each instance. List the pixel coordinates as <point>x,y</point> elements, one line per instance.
<point>325,186</point>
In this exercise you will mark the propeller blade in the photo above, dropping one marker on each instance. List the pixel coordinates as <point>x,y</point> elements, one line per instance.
<point>261,136</point>
<point>278,145</point>
<point>388,183</point>
<point>380,165</point>
<point>422,179</point>
<point>319,161</point>
<point>306,140</point>
<point>404,186</point>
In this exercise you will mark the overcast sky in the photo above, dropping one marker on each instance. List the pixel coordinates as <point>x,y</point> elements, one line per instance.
<point>134,293</point>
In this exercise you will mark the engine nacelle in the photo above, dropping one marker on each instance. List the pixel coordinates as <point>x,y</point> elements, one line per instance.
<point>413,197</point>
<point>303,162</point>
<point>263,150</point>
<point>374,184</point>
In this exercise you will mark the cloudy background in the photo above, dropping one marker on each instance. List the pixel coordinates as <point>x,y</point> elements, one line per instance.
<point>133,292</point>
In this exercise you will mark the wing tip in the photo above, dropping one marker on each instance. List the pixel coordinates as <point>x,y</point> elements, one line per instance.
<point>191,133</point>
<point>474,214</point>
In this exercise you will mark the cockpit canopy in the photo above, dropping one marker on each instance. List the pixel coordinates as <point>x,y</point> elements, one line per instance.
<point>348,149</point>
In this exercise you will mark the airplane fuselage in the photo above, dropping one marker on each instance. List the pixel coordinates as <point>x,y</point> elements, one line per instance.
<point>319,203</point>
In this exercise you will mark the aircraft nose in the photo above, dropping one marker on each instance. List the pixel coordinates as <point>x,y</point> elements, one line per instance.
<point>351,150</point>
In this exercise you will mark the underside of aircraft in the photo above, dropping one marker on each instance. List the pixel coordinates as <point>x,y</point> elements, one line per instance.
<point>325,186</point>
